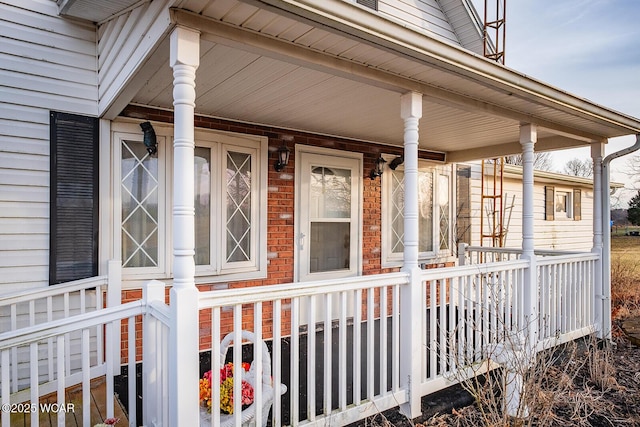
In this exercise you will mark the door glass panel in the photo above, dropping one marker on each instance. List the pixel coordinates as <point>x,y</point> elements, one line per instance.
<point>202,176</point>
<point>330,193</point>
<point>238,207</point>
<point>139,194</point>
<point>330,205</point>
<point>330,246</point>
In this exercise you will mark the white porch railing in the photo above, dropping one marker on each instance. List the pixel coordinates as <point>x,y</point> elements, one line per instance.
<point>566,289</point>
<point>567,297</point>
<point>37,338</point>
<point>482,254</point>
<point>337,370</point>
<point>41,306</point>
<point>466,309</point>
<point>334,345</point>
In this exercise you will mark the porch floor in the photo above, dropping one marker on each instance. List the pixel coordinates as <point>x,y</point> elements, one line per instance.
<point>73,418</point>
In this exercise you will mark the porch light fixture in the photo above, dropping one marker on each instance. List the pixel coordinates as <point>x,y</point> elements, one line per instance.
<point>283,157</point>
<point>149,138</point>
<point>378,168</point>
<point>396,162</point>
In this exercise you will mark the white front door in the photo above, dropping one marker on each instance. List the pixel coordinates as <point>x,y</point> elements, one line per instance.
<point>329,220</point>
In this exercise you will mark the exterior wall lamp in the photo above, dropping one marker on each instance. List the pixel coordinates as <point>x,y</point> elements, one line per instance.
<point>149,138</point>
<point>377,168</point>
<point>396,162</point>
<point>283,157</point>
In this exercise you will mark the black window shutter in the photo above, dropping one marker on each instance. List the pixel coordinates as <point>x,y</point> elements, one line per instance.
<point>73,241</point>
<point>549,203</point>
<point>577,205</point>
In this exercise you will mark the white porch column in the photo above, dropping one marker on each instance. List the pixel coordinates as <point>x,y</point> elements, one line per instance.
<point>528,138</point>
<point>597,153</point>
<point>411,335</point>
<point>183,337</point>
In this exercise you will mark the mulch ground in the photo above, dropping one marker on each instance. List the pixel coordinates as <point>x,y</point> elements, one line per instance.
<point>585,403</point>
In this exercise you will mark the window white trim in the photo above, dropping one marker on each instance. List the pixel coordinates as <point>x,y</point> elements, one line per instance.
<point>160,271</point>
<point>567,213</point>
<point>391,259</point>
<point>218,141</point>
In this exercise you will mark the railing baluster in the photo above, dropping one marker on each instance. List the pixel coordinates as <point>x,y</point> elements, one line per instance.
<point>452,336</point>
<point>442,324</point>
<point>370,343</point>
<point>357,353</point>
<point>61,379</point>
<point>327,354</point>
<point>34,380</point>
<point>67,338</point>
<point>216,364</point>
<point>50,340</point>
<point>342,357</point>
<point>383,341</point>
<point>131,344</point>
<point>238,373</point>
<point>424,328</point>
<point>109,372</point>
<point>277,361</point>
<point>295,360</point>
<point>86,379</point>
<point>433,323</point>
<point>257,360</point>
<point>478,320</point>
<point>469,322</point>
<point>311,354</point>
<point>99,329</point>
<point>395,338</point>
<point>508,297</point>
<point>14,351</point>
<point>6,390</point>
<point>164,369</point>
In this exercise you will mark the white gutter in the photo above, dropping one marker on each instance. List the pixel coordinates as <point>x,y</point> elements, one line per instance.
<point>606,225</point>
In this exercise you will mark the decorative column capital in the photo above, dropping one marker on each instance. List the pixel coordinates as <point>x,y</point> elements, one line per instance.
<point>528,133</point>
<point>597,151</point>
<point>411,105</point>
<point>185,47</point>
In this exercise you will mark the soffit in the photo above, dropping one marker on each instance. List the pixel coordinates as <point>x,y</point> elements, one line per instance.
<point>269,66</point>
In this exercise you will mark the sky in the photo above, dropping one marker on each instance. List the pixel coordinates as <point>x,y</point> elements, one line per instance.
<point>590,48</point>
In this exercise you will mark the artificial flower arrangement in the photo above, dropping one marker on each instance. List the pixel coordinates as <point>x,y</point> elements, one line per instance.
<point>109,422</point>
<point>226,389</point>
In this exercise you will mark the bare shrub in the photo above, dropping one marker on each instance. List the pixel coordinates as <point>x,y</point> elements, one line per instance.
<point>569,380</point>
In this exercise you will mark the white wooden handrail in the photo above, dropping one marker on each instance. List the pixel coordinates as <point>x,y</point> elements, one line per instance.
<point>297,290</point>
<point>41,293</point>
<point>35,333</point>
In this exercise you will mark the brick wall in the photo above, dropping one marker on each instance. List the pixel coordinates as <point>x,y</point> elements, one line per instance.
<point>281,209</point>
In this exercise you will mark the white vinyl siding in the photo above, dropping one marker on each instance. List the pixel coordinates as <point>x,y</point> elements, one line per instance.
<point>561,235</point>
<point>124,45</point>
<point>466,24</point>
<point>46,63</point>
<point>424,14</point>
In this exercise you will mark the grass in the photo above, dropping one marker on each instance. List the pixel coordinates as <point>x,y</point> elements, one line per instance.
<point>625,275</point>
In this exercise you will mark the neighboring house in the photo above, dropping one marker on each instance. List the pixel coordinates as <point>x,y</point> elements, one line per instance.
<point>563,212</point>
<point>152,134</point>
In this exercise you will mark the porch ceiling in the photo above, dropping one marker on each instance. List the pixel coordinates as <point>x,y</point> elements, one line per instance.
<point>278,64</point>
